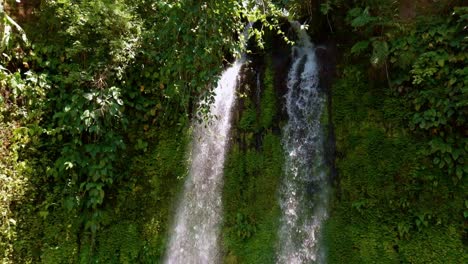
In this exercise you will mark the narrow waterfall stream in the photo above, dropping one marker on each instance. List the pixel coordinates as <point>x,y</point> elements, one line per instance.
<point>304,190</point>
<point>195,235</point>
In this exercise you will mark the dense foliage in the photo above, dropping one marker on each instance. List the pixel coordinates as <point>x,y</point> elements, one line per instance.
<point>96,85</point>
<point>95,109</point>
<point>399,110</point>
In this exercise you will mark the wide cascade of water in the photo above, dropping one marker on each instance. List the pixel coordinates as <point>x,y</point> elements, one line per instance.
<point>304,190</point>
<point>195,235</point>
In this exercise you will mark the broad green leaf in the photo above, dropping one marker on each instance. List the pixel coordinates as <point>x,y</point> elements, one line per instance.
<point>359,47</point>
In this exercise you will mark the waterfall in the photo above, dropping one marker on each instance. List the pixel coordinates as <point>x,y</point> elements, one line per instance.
<point>195,235</point>
<point>304,190</point>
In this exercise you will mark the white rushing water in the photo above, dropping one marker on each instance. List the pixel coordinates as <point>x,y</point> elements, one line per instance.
<point>304,190</point>
<point>195,235</point>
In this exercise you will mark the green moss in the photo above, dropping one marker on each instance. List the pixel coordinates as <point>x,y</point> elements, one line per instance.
<point>434,246</point>
<point>268,104</point>
<point>252,176</point>
<point>120,243</point>
<point>144,209</point>
<point>392,204</point>
<point>251,206</point>
<point>361,238</point>
<point>248,120</point>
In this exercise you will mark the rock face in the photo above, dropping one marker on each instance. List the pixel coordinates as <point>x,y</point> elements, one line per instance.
<point>407,9</point>
<point>21,11</point>
<point>410,9</point>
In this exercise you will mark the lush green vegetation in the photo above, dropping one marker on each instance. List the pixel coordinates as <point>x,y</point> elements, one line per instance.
<point>399,110</point>
<point>95,109</point>
<point>96,98</point>
<point>251,174</point>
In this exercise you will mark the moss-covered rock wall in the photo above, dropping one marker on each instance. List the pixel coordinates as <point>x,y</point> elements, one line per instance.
<point>254,166</point>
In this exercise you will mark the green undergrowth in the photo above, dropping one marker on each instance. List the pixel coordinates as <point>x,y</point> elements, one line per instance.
<point>359,238</point>
<point>135,221</point>
<point>141,211</point>
<point>251,206</point>
<point>392,205</point>
<point>398,112</point>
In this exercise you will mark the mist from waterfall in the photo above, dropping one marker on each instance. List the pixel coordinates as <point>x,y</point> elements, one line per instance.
<point>304,190</point>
